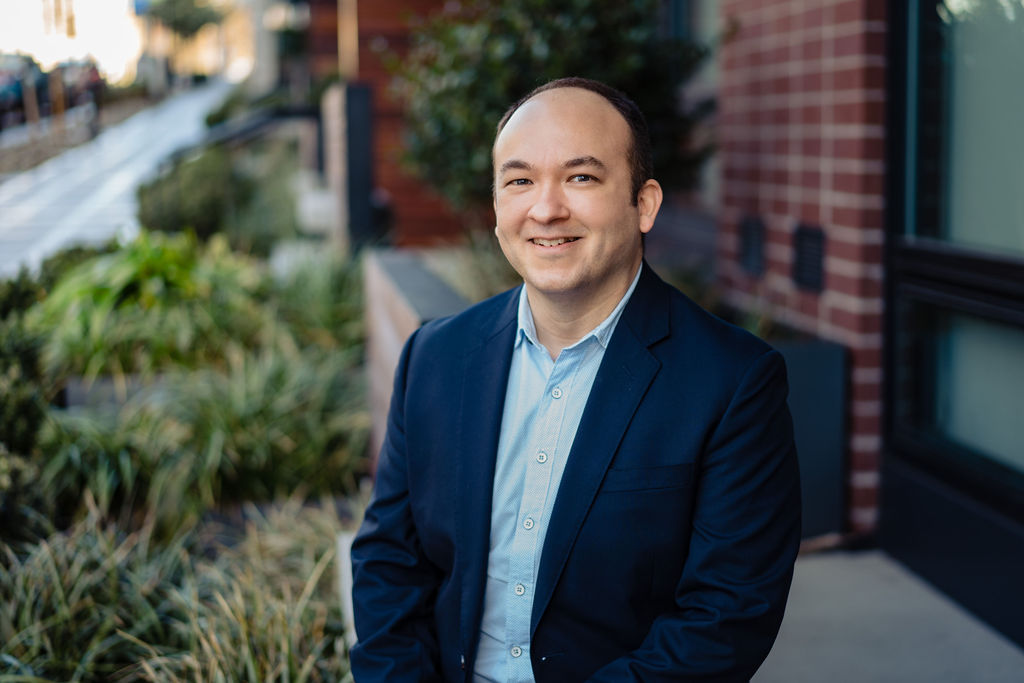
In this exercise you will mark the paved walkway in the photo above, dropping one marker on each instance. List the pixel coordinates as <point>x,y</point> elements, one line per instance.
<point>862,618</point>
<point>87,194</point>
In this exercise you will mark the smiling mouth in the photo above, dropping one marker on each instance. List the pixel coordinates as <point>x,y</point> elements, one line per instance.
<point>554,242</point>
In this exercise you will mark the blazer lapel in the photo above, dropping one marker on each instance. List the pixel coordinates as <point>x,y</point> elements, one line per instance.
<point>622,380</point>
<point>485,371</point>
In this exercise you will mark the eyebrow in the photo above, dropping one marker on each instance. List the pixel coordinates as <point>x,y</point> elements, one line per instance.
<point>576,162</point>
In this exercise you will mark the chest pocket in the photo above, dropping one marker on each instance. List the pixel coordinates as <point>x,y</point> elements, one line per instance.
<point>647,478</point>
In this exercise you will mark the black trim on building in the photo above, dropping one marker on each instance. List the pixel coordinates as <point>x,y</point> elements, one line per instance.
<point>953,516</point>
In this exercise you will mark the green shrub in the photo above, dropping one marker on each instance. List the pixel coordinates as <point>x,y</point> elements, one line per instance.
<point>273,422</point>
<point>229,107</point>
<point>196,193</point>
<point>96,604</point>
<point>269,213</point>
<point>75,606</point>
<point>22,395</point>
<point>266,609</point>
<point>457,82</point>
<point>321,303</point>
<point>158,302</point>
<point>18,294</point>
<point>23,511</point>
<point>53,268</point>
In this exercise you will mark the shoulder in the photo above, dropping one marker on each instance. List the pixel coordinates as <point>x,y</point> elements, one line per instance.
<point>694,338</point>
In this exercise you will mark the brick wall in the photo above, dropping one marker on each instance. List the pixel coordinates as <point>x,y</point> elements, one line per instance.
<point>420,216</point>
<point>801,113</point>
<point>323,38</point>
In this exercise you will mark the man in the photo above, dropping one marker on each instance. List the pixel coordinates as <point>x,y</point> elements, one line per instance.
<point>588,477</point>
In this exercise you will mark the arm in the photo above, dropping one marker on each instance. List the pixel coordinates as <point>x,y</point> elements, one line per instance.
<point>393,582</point>
<point>746,532</point>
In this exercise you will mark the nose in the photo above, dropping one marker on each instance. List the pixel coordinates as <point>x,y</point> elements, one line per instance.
<point>550,205</point>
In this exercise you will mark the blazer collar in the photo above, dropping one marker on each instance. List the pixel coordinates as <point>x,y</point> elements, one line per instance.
<point>626,372</point>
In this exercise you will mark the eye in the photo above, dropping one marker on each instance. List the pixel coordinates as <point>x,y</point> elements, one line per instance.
<point>581,178</point>
<point>518,181</point>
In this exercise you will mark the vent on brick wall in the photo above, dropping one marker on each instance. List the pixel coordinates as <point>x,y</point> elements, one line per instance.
<point>809,257</point>
<point>752,245</point>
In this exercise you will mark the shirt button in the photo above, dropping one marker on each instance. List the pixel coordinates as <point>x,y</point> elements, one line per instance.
<point>528,523</point>
<point>556,392</point>
<point>520,589</point>
<point>542,457</point>
<point>516,651</point>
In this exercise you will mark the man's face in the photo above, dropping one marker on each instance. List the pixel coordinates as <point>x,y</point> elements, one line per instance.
<point>562,197</point>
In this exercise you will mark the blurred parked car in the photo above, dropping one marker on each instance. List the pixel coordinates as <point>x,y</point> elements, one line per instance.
<point>15,71</point>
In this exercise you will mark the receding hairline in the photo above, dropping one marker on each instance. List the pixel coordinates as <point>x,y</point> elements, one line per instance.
<point>503,123</point>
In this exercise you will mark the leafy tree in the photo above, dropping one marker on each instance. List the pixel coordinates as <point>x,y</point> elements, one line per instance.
<point>184,17</point>
<point>468,63</point>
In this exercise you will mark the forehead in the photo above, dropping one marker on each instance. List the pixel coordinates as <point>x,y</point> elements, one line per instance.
<point>569,121</point>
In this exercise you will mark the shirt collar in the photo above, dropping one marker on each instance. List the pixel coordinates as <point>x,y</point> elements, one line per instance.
<point>602,333</point>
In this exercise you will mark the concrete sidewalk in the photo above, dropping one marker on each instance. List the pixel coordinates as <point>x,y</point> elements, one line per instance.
<point>860,617</point>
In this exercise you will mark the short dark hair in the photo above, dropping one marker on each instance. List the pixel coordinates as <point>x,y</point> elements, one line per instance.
<point>640,155</point>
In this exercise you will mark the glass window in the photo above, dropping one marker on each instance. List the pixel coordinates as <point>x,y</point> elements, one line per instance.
<point>960,381</point>
<point>969,109</point>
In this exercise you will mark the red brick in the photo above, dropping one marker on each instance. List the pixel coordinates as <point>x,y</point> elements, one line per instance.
<point>778,145</point>
<point>850,44</point>
<point>864,391</point>
<point>865,424</point>
<point>864,461</point>
<point>810,82</point>
<point>810,180</point>
<point>870,184</point>
<point>875,10</point>
<point>809,303</point>
<point>859,148</point>
<point>810,114</point>
<point>850,251</point>
<point>813,18</point>
<point>810,147</point>
<point>812,50</point>
<point>849,10</point>
<point>774,176</point>
<point>861,323</point>
<point>859,78</point>
<point>866,288</point>
<point>866,358</point>
<point>863,497</point>
<point>864,112</point>
<point>809,213</point>
<point>851,217</point>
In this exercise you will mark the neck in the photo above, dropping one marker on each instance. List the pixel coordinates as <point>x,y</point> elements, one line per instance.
<point>562,320</point>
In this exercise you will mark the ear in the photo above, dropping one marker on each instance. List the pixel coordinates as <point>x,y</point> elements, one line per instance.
<point>648,201</point>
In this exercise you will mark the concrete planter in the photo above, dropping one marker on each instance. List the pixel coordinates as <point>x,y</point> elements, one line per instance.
<point>401,294</point>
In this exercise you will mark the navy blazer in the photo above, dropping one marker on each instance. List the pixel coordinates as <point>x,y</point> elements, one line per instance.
<point>671,544</point>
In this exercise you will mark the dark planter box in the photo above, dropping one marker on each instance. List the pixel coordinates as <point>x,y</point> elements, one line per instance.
<point>817,399</point>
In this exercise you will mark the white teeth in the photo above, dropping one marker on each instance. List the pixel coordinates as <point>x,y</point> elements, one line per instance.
<point>553,243</point>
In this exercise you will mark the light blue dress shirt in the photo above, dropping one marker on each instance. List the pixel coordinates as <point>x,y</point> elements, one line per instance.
<point>544,402</point>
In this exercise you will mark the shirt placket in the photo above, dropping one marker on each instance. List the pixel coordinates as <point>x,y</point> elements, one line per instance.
<point>542,448</point>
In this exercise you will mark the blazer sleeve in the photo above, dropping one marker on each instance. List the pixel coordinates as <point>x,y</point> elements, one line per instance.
<point>746,532</point>
<point>393,582</point>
